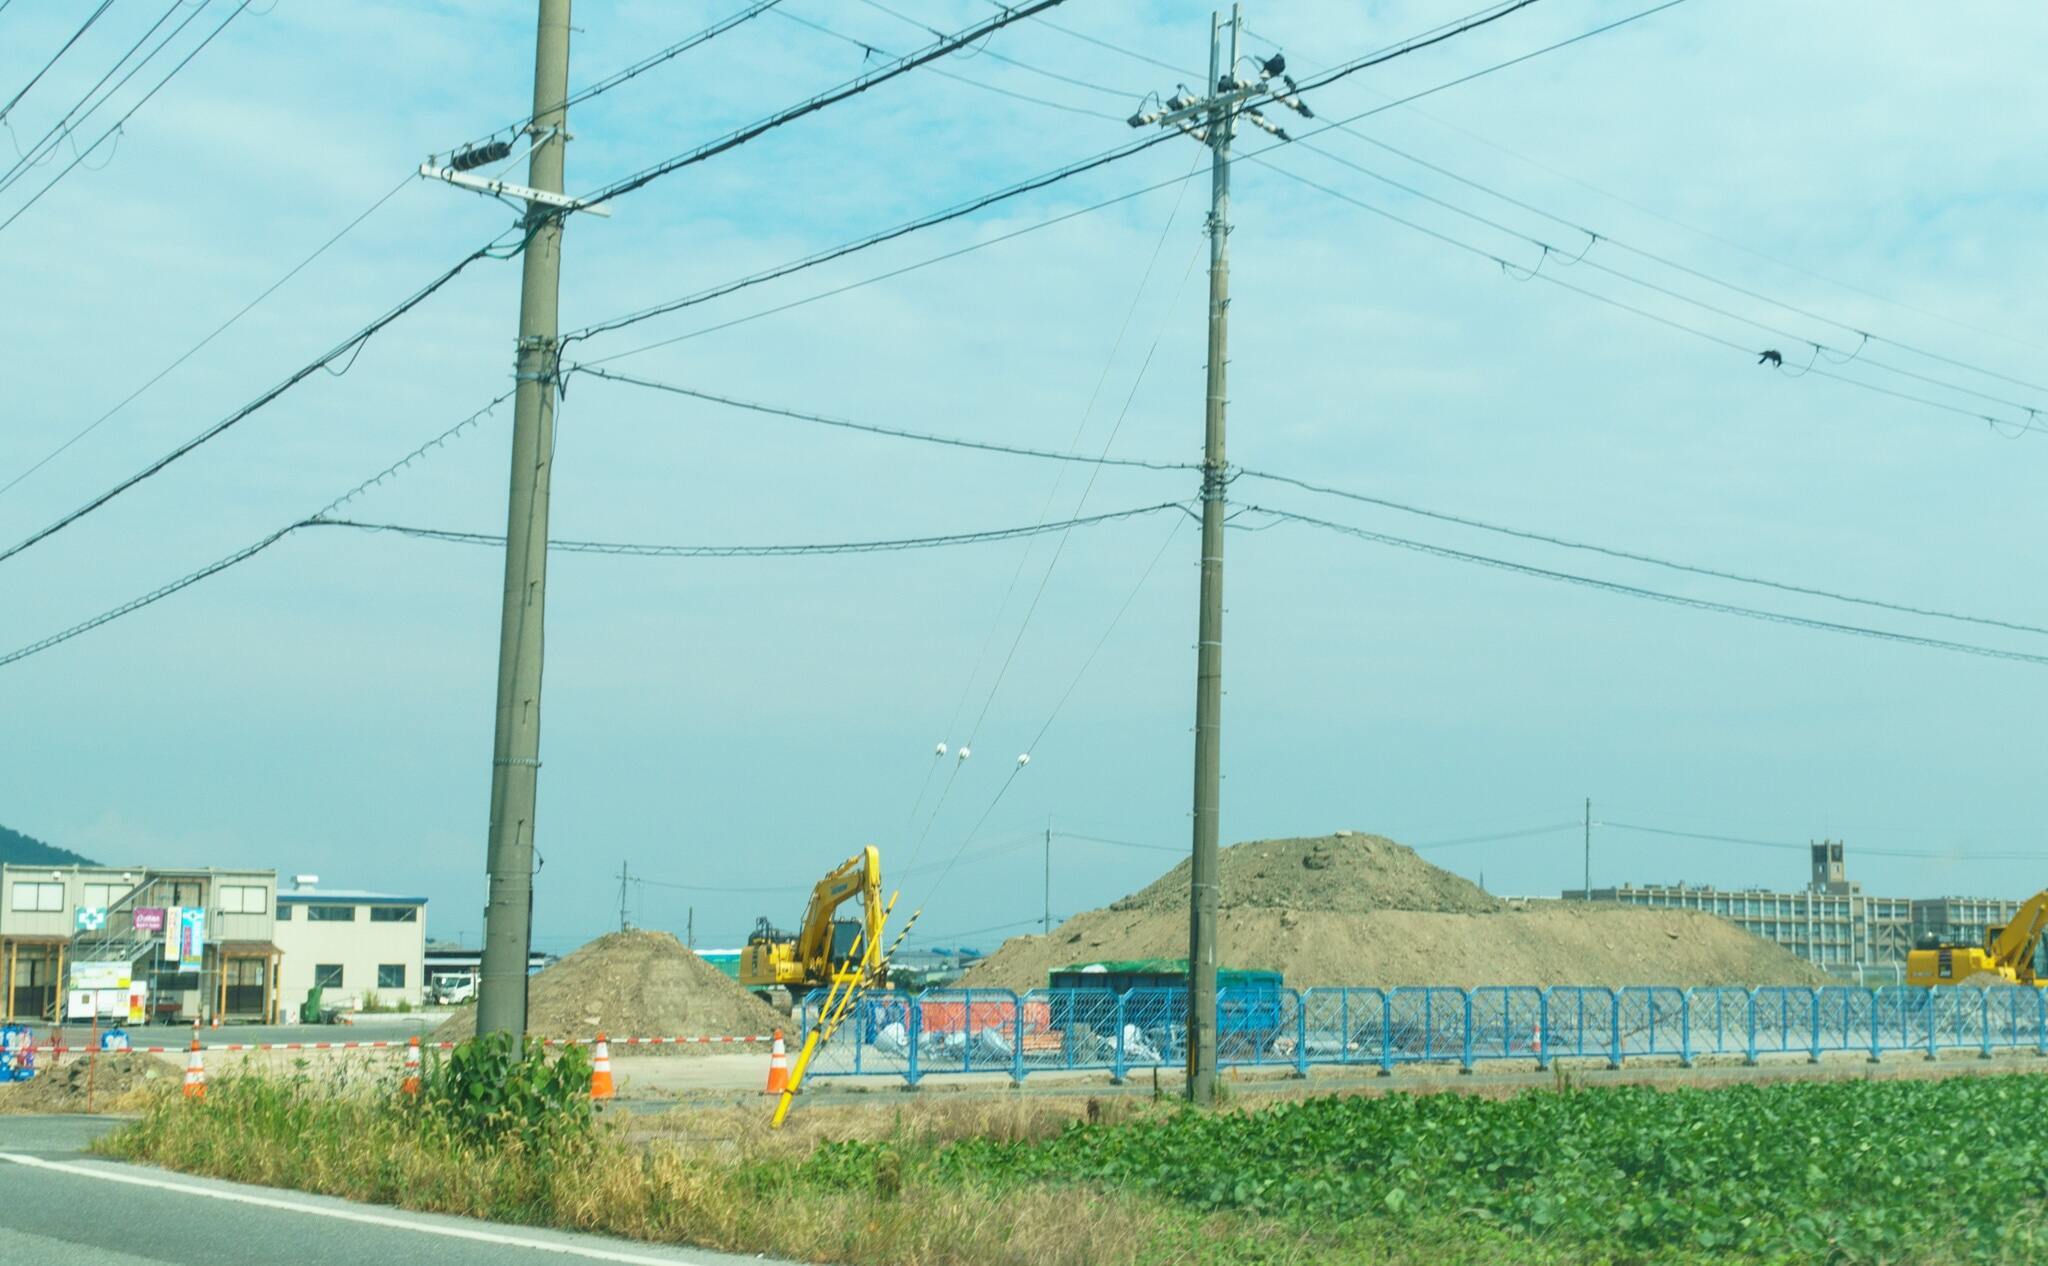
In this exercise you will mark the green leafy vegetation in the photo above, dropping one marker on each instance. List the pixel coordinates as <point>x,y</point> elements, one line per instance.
<point>1842,1171</point>
<point>1932,1173</point>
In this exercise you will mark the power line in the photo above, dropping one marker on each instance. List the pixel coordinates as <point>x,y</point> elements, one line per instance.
<point>1031,184</point>
<point>852,87</point>
<point>993,55</point>
<point>168,76</point>
<point>65,125</point>
<point>932,220</point>
<point>925,437</point>
<point>1545,538</point>
<point>1788,845</point>
<point>642,549</point>
<point>1596,237</point>
<point>1634,591</point>
<point>1507,267</point>
<point>634,71</point>
<point>217,331</point>
<point>1834,354</point>
<point>55,57</point>
<point>347,347</point>
<point>1497,837</point>
<point>872,49</point>
<point>256,547</point>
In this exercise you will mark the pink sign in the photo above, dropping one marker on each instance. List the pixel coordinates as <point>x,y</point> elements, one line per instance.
<point>149,918</point>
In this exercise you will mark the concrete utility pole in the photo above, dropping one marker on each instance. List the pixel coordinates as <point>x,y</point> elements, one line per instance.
<point>622,896</point>
<point>1212,119</point>
<point>1209,645</point>
<point>1589,849</point>
<point>1045,926</point>
<point>515,753</point>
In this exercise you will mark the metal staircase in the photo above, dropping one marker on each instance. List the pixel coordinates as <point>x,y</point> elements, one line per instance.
<point>118,940</point>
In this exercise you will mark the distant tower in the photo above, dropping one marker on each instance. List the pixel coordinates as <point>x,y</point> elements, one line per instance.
<point>1830,873</point>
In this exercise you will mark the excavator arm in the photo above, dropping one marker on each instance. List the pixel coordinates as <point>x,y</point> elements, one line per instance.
<point>858,876</point>
<point>2013,946</point>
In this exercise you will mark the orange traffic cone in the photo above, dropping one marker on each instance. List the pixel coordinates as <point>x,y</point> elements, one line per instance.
<point>1536,1038</point>
<point>778,1067</point>
<point>195,1074</point>
<point>601,1070</point>
<point>411,1084</point>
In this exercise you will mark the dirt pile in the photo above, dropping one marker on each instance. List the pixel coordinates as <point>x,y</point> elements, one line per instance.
<point>634,984</point>
<point>1345,873</point>
<point>1351,909</point>
<point>119,1084</point>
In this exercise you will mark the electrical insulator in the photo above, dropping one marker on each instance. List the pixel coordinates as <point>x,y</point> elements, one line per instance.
<point>478,155</point>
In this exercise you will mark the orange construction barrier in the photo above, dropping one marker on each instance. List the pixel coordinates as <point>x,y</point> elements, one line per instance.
<point>411,1084</point>
<point>195,1074</point>
<point>778,1067</point>
<point>601,1070</point>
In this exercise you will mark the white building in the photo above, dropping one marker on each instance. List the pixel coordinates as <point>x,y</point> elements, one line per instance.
<point>362,948</point>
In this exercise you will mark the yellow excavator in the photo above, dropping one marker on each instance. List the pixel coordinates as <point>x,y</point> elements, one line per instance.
<point>826,945</point>
<point>2011,953</point>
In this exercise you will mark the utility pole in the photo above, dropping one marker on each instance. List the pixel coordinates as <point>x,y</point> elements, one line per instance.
<point>622,896</point>
<point>690,935</point>
<point>1589,849</point>
<point>1212,120</point>
<point>1045,926</point>
<point>515,752</point>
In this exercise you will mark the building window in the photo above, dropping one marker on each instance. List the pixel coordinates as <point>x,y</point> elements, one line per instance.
<point>330,914</point>
<point>100,896</point>
<point>327,976</point>
<point>41,897</point>
<point>394,914</point>
<point>284,913</point>
<point>391,975</point>
<point>243,899</point>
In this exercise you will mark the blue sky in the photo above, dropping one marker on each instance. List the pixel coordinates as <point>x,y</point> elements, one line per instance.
<point>731,725</point>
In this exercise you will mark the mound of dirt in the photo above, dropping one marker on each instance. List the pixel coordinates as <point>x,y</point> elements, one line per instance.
<point>1345,873</point>
<point>118,1084</point>
<point>1363,910</point>
<point>634,984</point>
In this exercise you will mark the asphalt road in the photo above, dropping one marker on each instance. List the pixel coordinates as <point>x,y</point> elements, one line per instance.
<point>60,1207</point>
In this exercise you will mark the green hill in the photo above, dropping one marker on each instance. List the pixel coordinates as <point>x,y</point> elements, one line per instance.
<point>23,850</point>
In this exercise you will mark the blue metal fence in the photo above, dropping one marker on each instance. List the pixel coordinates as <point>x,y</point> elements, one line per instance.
<point>998,1031</point>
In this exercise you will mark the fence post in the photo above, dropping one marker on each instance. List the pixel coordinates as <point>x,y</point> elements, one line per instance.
<point>1875,1047</point>
<point>1116,1067</point>
<point>1344,1020</point>
<point>1543,1035</point>
<point>1933,1000</point>
<point>1986,1052</point>
<point>1749,1048</point>
<point>1300,1035</point>
<point>1017,1046</point>
<point>1387,1032</point>
<point>1614,1029</point>
<point>1465,1056</point>
<point>2041,1023</point>
<point>1813,1028</point>
<point>913,1024</point>
<point>1685,1028</point>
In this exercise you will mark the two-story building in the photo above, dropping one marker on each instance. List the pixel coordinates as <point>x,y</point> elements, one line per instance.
<point>137,944</point>
<point>362,949</point>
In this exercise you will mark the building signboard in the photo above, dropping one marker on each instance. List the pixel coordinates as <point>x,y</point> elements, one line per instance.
<point>191,942</point>
<point>149,918</point>
<point>107,975</point>
<point>88,918</point>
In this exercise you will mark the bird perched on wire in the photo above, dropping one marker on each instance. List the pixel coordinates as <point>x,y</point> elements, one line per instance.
<point>1772,357</point>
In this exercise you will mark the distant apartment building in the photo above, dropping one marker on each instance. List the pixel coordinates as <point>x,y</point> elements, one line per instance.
<point>1832,924</point>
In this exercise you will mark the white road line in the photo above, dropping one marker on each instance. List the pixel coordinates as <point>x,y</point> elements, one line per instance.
<point>348,1215</point>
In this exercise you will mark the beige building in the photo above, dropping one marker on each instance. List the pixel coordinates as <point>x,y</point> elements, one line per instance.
<point>361,948</point>
<point>195,944</point>
<point>1831,924</point>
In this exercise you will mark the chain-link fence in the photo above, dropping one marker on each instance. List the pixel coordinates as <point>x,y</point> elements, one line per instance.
<point>996,1031</point>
